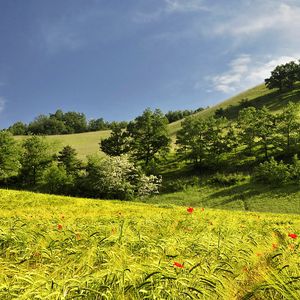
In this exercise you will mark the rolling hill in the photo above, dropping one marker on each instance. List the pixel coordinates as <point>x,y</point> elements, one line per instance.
<point>259,96</point>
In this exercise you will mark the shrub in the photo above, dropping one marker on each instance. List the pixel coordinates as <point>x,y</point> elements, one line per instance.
<point>117,178</point>
<point>273,173</point>
<point>226,179</point>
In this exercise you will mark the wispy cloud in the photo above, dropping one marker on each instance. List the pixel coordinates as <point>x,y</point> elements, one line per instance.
<point>170,7</point>
<point>246,71</point>
<point>268,15</point>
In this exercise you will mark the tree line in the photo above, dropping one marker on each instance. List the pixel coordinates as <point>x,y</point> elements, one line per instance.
<point>75,122</point>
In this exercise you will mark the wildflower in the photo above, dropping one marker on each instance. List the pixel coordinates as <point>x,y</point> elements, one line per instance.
<point>178,265</point>
<point>59,227</point>
<point>274,246</point>
<point>202,209</point>
<point>190,210</point>
<point>293,235</point>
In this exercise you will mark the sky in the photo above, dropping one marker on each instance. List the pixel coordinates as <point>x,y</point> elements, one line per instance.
<point>114,58</point>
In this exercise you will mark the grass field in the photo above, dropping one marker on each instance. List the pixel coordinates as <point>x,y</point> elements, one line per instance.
<point>54,247</point>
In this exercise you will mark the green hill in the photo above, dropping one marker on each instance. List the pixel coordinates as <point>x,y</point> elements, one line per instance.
<point>54,247</point>
<point>259,96</point>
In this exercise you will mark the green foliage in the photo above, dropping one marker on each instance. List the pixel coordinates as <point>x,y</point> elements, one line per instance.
<point>149,136</point>
<point>18,128</point>
<point>9,156</point>
<point>272,172</point>
<point>67,158</point>
<point>176,115</point>
<point>56,180</point>
<point>222,179</point>
<point>117,144</point>
<point>36,157</point>
<point>117,178</point>
<point>283,76</point>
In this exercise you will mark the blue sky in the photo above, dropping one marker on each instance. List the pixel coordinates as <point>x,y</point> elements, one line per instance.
<point>114,58</point>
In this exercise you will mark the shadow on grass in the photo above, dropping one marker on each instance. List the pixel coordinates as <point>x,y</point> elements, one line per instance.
<point>274,101</point>
<point>246,191</point>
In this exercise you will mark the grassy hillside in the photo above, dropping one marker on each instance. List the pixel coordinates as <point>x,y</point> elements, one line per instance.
<point>84,143</point>
<point>88,143</point>
<point>55,247</point>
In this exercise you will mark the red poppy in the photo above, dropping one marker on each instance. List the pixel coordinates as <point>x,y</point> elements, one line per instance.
<point>190,210</point>
<point>293,235</point>
<point>178,265</point>
<point>202,208</point>
<point>59,227</point>
<point>274,246</point>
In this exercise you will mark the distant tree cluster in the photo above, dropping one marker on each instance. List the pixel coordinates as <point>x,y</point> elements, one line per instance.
<point>62,123</point>
<point>284,76</point>
<point>176,115</point>
<point>74,122</point>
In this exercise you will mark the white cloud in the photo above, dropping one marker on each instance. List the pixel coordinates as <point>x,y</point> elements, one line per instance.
<point>2,103</point>
<point>268,15</point>
<point>181,6</point>
<point>246,71</point>
<point>170,7</point>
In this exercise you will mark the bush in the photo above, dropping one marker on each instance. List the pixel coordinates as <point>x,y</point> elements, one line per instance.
<point>117,178</point>
<point>55,180</point>
<point>226,179</point>
<point>273,173</point>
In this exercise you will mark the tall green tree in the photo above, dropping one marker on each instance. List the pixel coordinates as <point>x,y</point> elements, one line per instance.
<point>246,123</point>
<point>191,139</point>
<point>149,136</point>
<point>9,156</point>
<point>37,155</point>
<point>289,126</point>
<point>67,158</point>
<point>117,144</point>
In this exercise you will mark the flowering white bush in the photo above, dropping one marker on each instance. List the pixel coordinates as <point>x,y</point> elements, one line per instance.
<point>117,177</point>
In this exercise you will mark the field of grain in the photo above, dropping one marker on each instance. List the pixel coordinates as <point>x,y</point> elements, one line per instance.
<point>54,247</point>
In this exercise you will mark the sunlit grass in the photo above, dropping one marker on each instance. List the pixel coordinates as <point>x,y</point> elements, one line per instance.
<point>54,247</point>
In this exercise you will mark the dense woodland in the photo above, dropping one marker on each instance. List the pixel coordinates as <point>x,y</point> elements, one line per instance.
<point>258,142</point>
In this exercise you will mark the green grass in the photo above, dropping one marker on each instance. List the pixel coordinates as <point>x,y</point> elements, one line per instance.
<point>245,196</point>
<point>54,247</point>
<point>85,143</point>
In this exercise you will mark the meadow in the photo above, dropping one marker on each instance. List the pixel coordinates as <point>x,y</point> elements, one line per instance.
<point>55,247</point>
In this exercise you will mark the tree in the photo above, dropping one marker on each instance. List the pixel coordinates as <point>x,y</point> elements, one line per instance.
<point>37,155</point>
<point>289,125</point>
<point>149,136</point>
<point>283,76</point>
<point>117,143</point>
<point>75,122</point>
<point>98,124</point>
<point>67,158</point>
<point>265,130</point>
<point>247,125</point>
<point>117,178</point>
<point>18,128</point>
<point>9,156</point>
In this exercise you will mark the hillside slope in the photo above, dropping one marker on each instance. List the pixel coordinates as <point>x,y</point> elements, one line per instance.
<point>259,96</point>
<point>54,247</point>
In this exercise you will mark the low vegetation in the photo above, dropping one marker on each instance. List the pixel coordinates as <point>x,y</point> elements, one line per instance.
<point>53,247</point>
